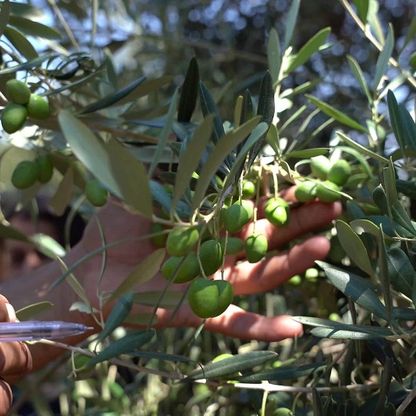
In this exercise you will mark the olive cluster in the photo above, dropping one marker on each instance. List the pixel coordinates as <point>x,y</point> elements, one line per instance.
<point>327,182</point>
<point>194,255</point>
<point>22,104</point>
<point>28,172</point>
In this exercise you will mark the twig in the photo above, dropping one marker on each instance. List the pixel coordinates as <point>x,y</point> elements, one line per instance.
<point>115,361</point>
<point>290,389</point>
<point>375,42</point>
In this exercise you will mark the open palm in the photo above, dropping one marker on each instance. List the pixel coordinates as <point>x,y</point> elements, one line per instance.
<point>116,224</point>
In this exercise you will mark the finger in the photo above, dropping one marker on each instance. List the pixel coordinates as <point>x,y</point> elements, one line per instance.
<point>249,278</point>
<point>308,217</point>
<point>15,358</point>
<point>237,323</point>
<point>7,313</point>
<point>6,398</point>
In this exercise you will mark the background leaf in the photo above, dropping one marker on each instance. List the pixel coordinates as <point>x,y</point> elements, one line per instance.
<point>125,345</point>
<point>383,59</point>
<point>360,290</point>
<point>189,92</point>
<point>353,246</point>
<point>110,162</point>
<point>143,272</point>
<point>229,366</point>
<point>336,114</point>
<point>217,156</point>
<point>308,49</point>
<point>190,156</point>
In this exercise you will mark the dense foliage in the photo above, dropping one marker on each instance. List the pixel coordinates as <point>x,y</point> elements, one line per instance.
<point>206,118</point>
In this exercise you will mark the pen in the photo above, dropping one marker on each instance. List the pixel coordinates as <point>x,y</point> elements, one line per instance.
<point>36,330</point>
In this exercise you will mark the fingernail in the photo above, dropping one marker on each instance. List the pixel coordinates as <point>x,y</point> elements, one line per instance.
<point>11,312</point>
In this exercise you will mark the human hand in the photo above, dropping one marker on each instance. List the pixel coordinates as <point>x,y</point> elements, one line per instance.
<point>246,278</point>
<point>15,359</point>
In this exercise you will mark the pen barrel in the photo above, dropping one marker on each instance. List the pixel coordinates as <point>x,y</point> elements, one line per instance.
<point>36,330</point>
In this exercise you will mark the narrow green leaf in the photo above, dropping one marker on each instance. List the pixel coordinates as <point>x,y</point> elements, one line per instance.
<point>164,134</point>
<point>362,9</point>
<point>359,76</point>
<point>395,120</point>
<point>189,158</point>
<point>265,107</point>
<point>4,15</point>
<point>336,114</point>
<point>308,49</point>
<point>383,58</point>
<point>401,271</point>
<point>33,63</point>
<point>306,153</point>
<point>353,246</point>
<point>375,331</point>
<point>361,148</point>
<point>19,41</point>
<point>217,156</point>
<point>229,366</point>
<point>254,137</point>
<point>283,373</point>
<point>117,315</point>
<point>360,290</point>
<point>291,19</point>
<point>266,110</point>
<point>383,273</point>
<point>114,97</point>
<point>128,344</point>
<point>27,312</point>
<point>342,334</point>
<point>169,300</point>
<point>47,245</point>
<point>274,55</point>
<point>208,107</point>
<point>143,272</point>
<point>110,162</point>
<point>164,199</point>
<point>189,92</point>
<point>32,28</point>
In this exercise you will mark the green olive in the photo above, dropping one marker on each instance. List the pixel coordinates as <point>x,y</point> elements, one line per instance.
<point>45,166</point>
<point>38,107</point>
<point>305,191</point>
<point>277,211</point>
<point>181,240</point>
<point>96,193</point>
<point>25,174</point>
<point>328,191</point>
<point>235,245</point>
<point>236,216</point>
<point>320,166</point>
<point>340,172</point>
<point>248,189</point>
<point>256,246</point>
<point>17,91</point>
<point>209,298</point>
<point>13,117</point>
<point>211,256</point>
<point>181,269</point>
